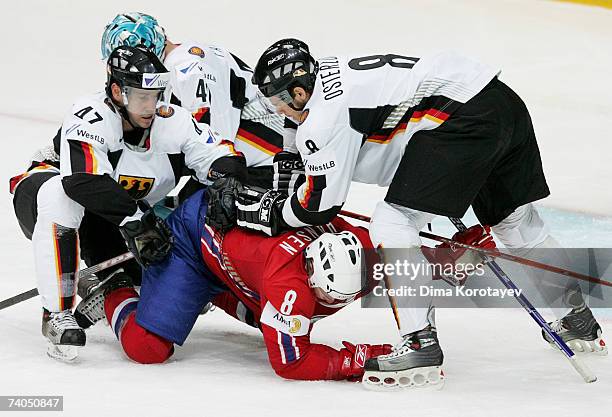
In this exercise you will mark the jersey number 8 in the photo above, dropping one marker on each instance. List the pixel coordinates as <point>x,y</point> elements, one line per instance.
<point>287,305</point>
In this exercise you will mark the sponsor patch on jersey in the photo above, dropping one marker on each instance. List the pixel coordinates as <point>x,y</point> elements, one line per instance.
<point>164,111</point>
<point>155,81</point>
<point>84,134</point>
<point>304,116</point>
<point>321,163</point>
<point>196,50</point>
<point>294,325</point>
<point>137,187</point>
<point>188,68</point>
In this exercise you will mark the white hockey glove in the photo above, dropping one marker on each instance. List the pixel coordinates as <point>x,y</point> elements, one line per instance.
<point>288,172</point>
<point>259,209</point>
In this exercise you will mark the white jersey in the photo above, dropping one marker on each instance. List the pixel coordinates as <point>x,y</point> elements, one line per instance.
<point>216,87</point>
<point>362,113</point>
<point>92,141</point>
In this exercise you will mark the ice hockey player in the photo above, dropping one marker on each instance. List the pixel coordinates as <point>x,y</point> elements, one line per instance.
<point>118,150</point>
<point>214,85</point>
<point>442,132</point>
<point>288,282</point>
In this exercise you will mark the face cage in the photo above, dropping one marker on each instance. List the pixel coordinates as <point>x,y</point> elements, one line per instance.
<point>339,302</point>
<point>281,79</point>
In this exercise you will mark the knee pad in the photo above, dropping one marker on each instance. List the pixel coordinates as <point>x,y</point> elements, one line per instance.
<point>56,207</point>
<point>395,226</point>
<point>523,229</point>
<point>25,199</point>
<point>143,346</point>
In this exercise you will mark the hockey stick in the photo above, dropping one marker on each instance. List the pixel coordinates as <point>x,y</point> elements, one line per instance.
<point>581,368</point>
<point>498,254</point>
<point>82,273</point>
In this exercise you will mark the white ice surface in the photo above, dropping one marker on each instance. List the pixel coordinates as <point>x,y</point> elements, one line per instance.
<point>556,56</point>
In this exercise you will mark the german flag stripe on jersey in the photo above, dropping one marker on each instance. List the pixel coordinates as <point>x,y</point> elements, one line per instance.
<point>66,253</point>
<point>230,146</point>
<point>436,109</point>
<point>257,142</point>
<point>82,157</point>
<point>387,138</point>
<point>311,199</point>
<point>202,115</point>
<point>35,167</point>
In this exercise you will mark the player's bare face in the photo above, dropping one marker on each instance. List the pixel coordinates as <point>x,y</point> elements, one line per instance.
<point>141,105</point>
<point>323,296</point>
<point>285,109</point>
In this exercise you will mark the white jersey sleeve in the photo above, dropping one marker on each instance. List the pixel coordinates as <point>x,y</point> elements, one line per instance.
<point>330,150</point>
<point>197,141</point>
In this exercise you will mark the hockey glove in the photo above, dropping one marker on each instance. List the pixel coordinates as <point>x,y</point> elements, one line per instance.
<point>222,195</point>
<point>455,264</point>
<point>149,238</point>
<point>354,358</point>
<point>288,172</point>
<point>261,210</point>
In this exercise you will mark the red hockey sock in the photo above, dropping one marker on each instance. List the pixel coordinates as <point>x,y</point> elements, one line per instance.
<point>138,343</point>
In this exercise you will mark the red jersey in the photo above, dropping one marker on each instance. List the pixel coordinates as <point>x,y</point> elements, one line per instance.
<point>268,275</point>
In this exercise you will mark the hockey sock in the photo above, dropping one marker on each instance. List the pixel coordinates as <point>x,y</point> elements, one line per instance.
<point>138,343</point>
<point>119,305</point>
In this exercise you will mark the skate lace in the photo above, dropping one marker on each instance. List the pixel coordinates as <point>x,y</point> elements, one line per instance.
<point>64,320</point>
<point>401,348</point>
<point>556,326</point>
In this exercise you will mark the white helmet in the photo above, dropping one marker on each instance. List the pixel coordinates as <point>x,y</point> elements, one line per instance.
<point>333,263</point>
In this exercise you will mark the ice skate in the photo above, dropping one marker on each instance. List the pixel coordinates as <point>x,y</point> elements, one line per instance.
<point>92,291</point>
<point>63,334</point>
<point>416,362</point>
<point>580,331</point>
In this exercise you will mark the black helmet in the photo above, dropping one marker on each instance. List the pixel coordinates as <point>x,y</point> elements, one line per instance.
<point>284,65</point>
<point>128,66</point>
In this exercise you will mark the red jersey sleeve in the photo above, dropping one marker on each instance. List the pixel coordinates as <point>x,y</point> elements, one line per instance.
<point>286,320</point>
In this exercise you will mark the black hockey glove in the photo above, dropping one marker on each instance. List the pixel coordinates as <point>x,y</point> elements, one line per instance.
<point>149,238</point>
<point>222,194</point>
<point>261,210</point>
<point>288,172</point>
<point>227,175</point>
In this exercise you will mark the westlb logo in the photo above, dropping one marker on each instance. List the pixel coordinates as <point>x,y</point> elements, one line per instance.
<point>137,187</point>
<point>156,81</point>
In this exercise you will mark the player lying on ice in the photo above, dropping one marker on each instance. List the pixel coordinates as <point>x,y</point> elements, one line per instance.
<point>281,282</point>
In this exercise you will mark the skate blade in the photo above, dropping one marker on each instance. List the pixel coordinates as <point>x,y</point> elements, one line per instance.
<point>429,377</point>
<point>62,353</point>
<point>595,347</point>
